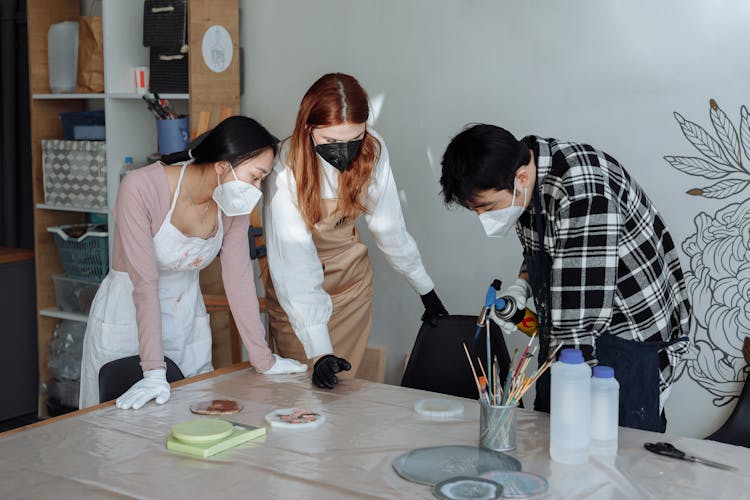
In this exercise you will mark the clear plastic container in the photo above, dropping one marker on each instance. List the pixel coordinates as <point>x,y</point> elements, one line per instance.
<point>74,295</point>
<point>570,408</point>
<point>605,405</point>
<point>65,350</point>
<point>62,53</point>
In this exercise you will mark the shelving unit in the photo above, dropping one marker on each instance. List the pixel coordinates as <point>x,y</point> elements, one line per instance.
<point>130,130</point>
<point>125,95</point>
<point>67,96</point>
<point>43,206</point>
<point>54,312</point>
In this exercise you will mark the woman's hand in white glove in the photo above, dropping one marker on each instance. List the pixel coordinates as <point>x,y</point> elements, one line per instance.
<point>154,385</point>
<point>285,365</point>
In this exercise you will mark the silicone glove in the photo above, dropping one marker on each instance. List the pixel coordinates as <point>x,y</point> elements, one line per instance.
<point>433,308</point>
<point>154,385</point>
<point>326,368</point>
<point>285,365</point>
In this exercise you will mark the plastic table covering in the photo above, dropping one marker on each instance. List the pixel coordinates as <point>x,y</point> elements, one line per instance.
<point>111,453</point>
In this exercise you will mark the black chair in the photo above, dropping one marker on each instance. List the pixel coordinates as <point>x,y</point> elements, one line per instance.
<point>119,375</point>
<point>736,430</point>
<point>438,362</point>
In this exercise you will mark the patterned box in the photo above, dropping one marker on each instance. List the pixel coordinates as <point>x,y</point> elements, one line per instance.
<point>75,173</point>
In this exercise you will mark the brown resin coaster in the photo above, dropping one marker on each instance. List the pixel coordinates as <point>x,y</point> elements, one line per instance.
<point>216,407</point>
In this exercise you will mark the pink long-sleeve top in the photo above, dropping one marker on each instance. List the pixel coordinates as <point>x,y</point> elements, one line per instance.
<point>142,205</point>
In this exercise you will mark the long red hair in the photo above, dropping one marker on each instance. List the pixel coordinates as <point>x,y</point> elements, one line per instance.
<point>334,99</point>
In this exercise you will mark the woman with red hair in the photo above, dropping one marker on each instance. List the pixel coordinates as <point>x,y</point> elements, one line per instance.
<point>333,169</point>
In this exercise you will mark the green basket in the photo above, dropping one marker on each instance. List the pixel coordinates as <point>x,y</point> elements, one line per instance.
<point>85,257</point>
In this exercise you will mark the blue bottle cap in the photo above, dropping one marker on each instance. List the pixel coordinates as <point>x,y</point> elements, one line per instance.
<point>604,372</point>
<point>571,356</point>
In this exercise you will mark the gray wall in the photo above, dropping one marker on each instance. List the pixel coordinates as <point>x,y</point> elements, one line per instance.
<point>607,73</point>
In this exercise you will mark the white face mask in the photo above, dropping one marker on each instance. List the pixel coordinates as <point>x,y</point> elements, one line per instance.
<point>497,223</point>
<point>236,197</point>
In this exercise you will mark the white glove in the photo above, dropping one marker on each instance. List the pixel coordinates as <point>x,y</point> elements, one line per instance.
<point>153,385</point>
<point>507,327</point>
<point>520,291</point>
<point>285,365</point>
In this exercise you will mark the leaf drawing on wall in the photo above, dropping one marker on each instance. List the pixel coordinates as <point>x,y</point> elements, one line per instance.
<point>723,189</point>
<point>726,132</point>
<point>702,140</point>
<point>696,166</point>
<point>745,131</point>
<point>722,157</point>
<point>717,277</point>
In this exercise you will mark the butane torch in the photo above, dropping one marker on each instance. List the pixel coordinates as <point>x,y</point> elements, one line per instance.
<point>506,308</point>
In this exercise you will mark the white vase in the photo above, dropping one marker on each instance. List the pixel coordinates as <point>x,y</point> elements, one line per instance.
<point>62,56</point>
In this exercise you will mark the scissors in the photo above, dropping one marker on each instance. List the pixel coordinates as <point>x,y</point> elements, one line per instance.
<point>667,450</point>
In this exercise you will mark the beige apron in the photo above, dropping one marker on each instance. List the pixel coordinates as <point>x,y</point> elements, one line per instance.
<point>347,278</point>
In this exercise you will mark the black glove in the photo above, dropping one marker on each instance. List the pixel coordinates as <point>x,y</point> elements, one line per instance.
<point>433,308</point>
<point>325,369</point>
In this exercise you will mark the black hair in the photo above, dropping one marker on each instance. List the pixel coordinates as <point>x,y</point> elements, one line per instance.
<point>235,140</point>
<point>481,157</point>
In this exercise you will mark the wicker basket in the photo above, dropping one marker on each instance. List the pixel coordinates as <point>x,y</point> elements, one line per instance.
<point>85,257</point>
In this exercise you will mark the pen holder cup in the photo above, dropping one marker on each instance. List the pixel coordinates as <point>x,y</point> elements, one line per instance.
<point>497,426</point>
<point>173,135</point>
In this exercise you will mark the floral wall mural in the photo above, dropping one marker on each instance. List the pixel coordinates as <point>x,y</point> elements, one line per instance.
<point>718,272</point>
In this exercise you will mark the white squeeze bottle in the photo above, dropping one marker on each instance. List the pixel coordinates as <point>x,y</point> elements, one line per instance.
<point>570,408</point>
<point>605,406</point>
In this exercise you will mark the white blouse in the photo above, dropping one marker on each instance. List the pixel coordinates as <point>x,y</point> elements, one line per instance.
<point>295,268</point>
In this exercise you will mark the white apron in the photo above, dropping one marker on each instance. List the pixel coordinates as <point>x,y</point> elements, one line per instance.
<point>112,331</point>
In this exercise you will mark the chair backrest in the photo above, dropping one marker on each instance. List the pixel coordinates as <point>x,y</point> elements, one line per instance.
<point>119,375</point>
<point>736,429</point>
<point>438,362</point>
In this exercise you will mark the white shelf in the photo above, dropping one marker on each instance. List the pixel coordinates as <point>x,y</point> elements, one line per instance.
<point>54,312</point>
<point>112,95</point>
<point>68,96</point>
<point>72,209</point>
<point>125,95</point>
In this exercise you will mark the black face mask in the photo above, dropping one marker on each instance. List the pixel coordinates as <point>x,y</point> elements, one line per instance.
<point>339,154</point>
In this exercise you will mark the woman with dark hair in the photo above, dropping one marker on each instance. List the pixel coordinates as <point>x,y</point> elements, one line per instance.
<point>171,220</point>
<point>333,169</point>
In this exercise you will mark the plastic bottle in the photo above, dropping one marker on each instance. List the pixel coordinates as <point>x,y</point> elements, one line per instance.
<point>605,405</point>
<point>570,408</point>
<point>127,166</point>
<point>62,52</point>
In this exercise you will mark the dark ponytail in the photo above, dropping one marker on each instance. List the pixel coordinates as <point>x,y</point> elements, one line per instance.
<point>235,140</point>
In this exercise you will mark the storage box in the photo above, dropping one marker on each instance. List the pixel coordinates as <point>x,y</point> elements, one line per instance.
<point>164,23</point>
<point>86,255</point>
<point>83,125</point>
<point>63,394</point>
<point>74,295</point>
<point>168,70</point>
<point>74,173</point>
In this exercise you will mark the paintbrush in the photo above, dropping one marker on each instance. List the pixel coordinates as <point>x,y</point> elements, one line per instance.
<point>508,378</point>
<point>473,371</point>
<point>485,379</point>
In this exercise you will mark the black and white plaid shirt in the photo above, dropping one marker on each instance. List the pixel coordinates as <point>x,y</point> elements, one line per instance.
<point>615,269</point>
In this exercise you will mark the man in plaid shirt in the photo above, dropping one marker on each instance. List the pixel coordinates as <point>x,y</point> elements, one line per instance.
<point>607,279</point>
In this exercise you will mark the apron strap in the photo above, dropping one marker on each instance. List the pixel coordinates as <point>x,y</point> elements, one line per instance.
<point>177,189</point>
<point>543,304</point>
